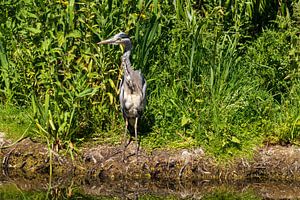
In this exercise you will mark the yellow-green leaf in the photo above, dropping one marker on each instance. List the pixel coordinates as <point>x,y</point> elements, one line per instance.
<point>33,30</point>
<point>74,34</point>
<point>185,120</point>
<point>235,140</point>
<point>60,38</point>
<point>111,97</point>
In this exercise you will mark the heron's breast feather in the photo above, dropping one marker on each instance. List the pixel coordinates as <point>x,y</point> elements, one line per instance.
<point>133,100</point>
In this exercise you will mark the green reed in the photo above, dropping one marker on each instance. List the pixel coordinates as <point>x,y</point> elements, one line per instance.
<point>217,77</point>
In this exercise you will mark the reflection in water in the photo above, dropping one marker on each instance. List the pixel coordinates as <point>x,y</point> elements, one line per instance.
<point>87,188</point>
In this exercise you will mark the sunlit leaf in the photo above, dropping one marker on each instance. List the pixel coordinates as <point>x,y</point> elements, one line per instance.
<point>60,38</point>
<point>185,120</point>
<point>111,97</point>
<point>34,30</point>
<point>74,34</point>
<point>235,140</point>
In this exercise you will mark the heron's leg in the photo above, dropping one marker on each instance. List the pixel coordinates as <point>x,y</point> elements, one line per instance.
<point>125,143</point>
<point>136,138</point>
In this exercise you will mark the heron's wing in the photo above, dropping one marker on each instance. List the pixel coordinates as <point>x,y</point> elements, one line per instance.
<point>144,87</point>
<point>144,84</point>
<point>121,96</point>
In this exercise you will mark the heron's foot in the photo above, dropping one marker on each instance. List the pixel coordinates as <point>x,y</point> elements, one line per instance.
<point>124,156</point>
<point>137,152</point>
<point>126,144</point>
<point>137,157</point>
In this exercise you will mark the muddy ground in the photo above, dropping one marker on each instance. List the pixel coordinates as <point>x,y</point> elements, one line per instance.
<point>30,161</point>
<point>106,162</point>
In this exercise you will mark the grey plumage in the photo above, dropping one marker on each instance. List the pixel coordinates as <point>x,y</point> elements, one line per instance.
<point>132,88</point>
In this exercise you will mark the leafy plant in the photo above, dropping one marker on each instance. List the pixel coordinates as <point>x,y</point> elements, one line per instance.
<point>217,76</point>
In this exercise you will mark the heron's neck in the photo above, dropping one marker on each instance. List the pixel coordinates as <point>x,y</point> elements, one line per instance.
<point>128,71</point>
<point>126,56</point>
<point>127,46</point>
<point>126,62</point>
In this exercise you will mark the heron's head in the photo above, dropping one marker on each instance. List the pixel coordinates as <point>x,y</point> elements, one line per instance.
<point>119,39</point>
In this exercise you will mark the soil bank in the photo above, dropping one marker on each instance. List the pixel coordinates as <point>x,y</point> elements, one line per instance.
<point>272,163</point>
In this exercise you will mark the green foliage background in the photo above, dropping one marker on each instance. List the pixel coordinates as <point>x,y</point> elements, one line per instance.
<point>223,75</point>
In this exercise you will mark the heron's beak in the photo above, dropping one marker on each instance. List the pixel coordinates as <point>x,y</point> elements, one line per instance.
<point>109,41</point>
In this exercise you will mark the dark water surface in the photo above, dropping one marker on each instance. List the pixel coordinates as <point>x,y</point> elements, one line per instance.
<point>18,187</point>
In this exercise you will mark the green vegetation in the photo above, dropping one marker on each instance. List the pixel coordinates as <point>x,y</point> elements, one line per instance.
<point>227,193</point>
<point>14,122</point>
<point>223,75</point>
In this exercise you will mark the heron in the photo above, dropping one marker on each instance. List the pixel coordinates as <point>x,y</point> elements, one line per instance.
<point>132,89</point>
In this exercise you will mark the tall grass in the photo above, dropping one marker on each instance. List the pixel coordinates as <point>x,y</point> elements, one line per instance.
<point>216,76</point>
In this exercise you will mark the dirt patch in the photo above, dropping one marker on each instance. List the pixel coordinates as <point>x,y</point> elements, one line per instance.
<point>106,163</point>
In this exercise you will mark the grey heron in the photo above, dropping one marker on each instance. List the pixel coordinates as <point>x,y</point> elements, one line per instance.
<point>132,89</point>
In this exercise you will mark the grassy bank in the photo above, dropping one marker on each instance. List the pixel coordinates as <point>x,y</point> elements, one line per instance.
<point>221,75</point>
<point>15,122</point>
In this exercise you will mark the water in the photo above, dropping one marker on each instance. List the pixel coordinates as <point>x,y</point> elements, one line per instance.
<point>20,187</point>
